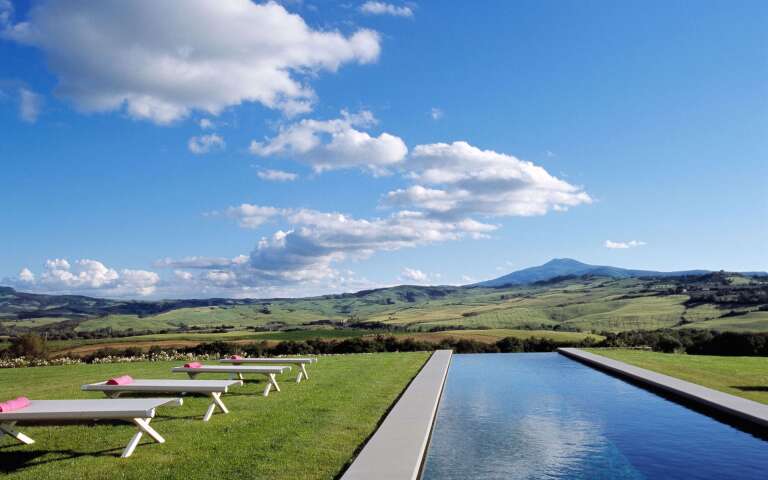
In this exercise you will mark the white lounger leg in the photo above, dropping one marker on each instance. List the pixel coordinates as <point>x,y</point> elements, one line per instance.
<point>271,382</point>
<point>304,371</point>
<point>7,428</point>
<point>143,425</point>
<point>215,402</point>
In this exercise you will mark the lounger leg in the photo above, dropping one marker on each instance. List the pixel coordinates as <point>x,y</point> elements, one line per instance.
<point>112,394</point>
<point>209,412</point>
<point>273,381</point>
<point>298,377</point>
<point>240,376</point>
<point>304,371</point>
<point>7,428</point>
<point>143,426</point>
<point>267,388</point>
<point>215,402</point>
<point>191,375</point>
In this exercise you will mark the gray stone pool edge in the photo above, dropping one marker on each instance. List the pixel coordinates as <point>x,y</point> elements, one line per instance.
<point>742,408</point>
<point>398,447</point>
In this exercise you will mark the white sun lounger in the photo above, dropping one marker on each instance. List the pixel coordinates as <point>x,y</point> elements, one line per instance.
<point>301,363</point>
<point>211,388</point>
<point>235,371</point>
<point>140,411</point>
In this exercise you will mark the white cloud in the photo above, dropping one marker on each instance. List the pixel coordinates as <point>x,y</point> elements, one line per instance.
<point>382,8</point>
<point>145,57</point>
<point>26,275</point>
<point>276,176</point>
<point>622,245</point>
<point>88,277</point>
<point>305,253</point>
<point>30,104</point>
<point>436,113</point>
<point>251,216</point>
<point>205,144</point>
<point>414,275</point>
<point>335,144</point>
<point>206,124</point>
<point>458,180</point>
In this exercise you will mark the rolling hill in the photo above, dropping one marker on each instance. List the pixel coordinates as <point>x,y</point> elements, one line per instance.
<point>554,296</point>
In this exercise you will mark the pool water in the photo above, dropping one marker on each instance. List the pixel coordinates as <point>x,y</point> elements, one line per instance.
<point>544,416</point>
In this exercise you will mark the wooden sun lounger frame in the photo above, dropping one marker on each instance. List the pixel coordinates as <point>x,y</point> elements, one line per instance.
<point>210,388</point>
<point>140,416</point>
<point>236,372</point>
<point>301,363</point>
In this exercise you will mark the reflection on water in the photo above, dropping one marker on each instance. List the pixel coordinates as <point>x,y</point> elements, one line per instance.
<point>544,416</point>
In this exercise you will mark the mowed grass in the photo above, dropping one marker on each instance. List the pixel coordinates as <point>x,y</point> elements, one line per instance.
<point>308,431</point>
<point>742,376</point>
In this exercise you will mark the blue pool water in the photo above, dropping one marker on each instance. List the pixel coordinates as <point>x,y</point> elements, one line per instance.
<point>544,416</point>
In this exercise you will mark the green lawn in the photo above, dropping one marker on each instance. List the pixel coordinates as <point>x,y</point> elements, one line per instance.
<point>742,376</point>
<point>308,431</point>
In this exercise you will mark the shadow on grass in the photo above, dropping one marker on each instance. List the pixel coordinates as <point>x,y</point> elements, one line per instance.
<point>751,388</point>
<point>20,459</point>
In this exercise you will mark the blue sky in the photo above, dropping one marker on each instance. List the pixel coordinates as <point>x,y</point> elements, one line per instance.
<point>251,149</point>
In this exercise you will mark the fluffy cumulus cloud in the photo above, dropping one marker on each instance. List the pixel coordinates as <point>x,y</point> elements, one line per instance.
<point>335,144</point>
<point>623,245</point>
<point>203,144</point>
<point>458,180</point>
<point>276,176</point>
<point>142,56</point>
<point>30,104</point>
<point>383,8</point>
<point>88,277</point>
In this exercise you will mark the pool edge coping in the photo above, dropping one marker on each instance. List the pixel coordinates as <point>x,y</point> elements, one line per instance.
<point>743,409</point>
<point>398,448</point>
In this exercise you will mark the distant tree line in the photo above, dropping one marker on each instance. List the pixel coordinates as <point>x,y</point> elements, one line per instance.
<point>692,341</point>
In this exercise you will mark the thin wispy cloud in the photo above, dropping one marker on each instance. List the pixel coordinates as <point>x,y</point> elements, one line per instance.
<point>30,104</point>
<point>200,145</point>
<point>436,113</point>
<point>276,175</point>
<point>383,8</point>
<point>623,245</point>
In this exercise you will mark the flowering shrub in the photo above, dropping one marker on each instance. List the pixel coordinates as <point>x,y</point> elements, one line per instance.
<point>163,356</point>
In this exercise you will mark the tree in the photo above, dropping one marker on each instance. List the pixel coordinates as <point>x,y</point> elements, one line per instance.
<point>29,345</point>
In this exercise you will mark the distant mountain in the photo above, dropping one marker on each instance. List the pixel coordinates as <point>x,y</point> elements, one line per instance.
<point>560,267</point>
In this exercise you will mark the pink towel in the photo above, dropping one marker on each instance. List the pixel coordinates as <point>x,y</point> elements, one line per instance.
<point>193,365</point>
<point>236,357</point>
<point>123,380</point>
<point>15,404</point>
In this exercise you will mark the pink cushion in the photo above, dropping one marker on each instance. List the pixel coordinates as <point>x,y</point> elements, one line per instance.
<point>193,365</point>
<point>236,357</point>
<point>15,404</point>
<point>122,380</point>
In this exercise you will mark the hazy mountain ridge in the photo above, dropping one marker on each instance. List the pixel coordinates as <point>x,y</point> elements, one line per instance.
<point>562,267</point>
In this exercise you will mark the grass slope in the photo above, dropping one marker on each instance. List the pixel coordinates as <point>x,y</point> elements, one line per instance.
<point>309,431</point>
<point>742,376</point>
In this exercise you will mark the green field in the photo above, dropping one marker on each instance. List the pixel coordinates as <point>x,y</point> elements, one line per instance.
<point>584,304</point>
<point>742,376</point>
<point>308,431</point>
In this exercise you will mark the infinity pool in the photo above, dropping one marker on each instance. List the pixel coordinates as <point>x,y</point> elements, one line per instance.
<point>544,416</point>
